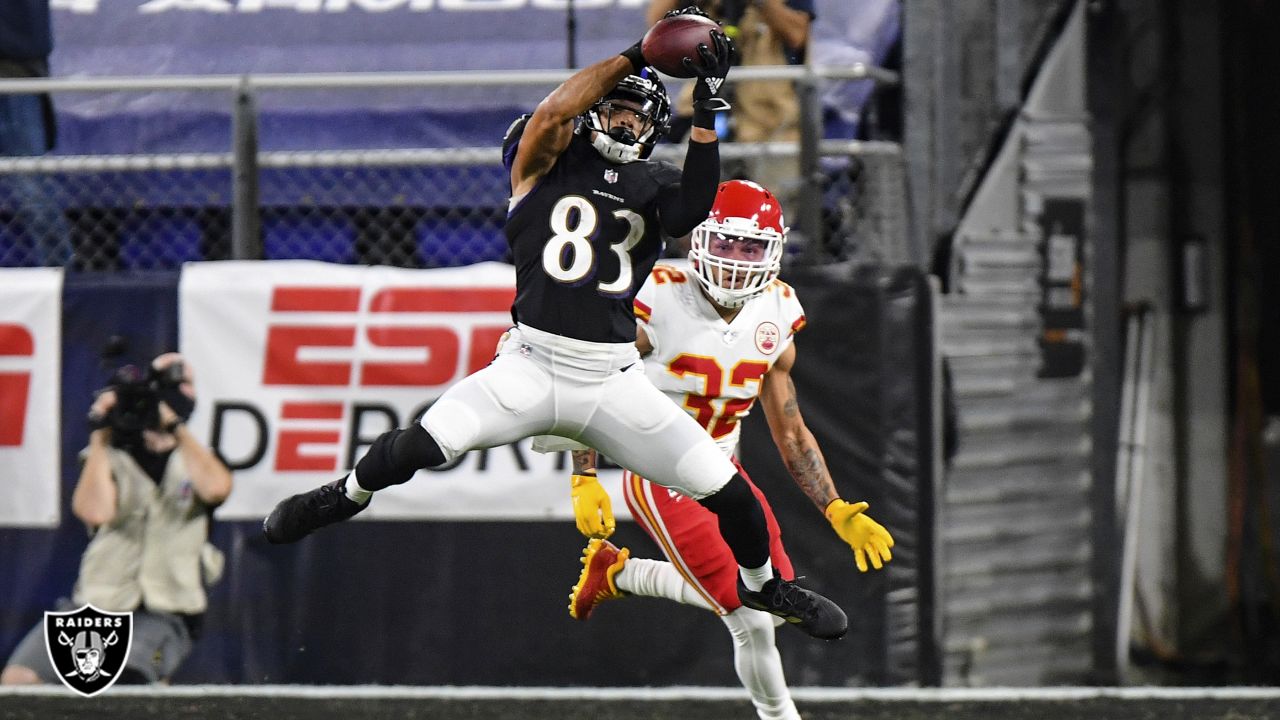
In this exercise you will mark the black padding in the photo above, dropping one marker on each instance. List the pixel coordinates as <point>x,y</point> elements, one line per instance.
<point>395,456</point>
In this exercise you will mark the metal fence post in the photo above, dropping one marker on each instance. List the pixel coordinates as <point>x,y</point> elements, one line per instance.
<point>809,205</point>
<point>246,235</point>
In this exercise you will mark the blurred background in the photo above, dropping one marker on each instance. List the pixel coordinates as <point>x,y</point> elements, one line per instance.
<point>1032,238</point>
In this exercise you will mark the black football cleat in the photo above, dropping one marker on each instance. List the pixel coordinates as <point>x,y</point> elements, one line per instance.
<point>300,515</point>
<point>805,609</point>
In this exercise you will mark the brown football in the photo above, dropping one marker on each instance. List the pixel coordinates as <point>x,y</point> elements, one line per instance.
<point>675,38</point>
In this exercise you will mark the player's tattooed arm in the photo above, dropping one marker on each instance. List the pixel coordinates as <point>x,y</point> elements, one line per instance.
<point>869,540</point>
<point>592,508</point>
<point>798,446</point>
<point>802,456</point>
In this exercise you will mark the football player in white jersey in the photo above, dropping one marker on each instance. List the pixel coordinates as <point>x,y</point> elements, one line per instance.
<point>584,222</point>
<point>716,337</point>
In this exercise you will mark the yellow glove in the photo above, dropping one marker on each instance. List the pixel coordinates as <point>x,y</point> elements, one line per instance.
<point>591,507</point>
<point>868,538</point>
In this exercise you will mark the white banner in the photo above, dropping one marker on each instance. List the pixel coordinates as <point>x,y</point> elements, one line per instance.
<point>299,365</point>
<point>30,379</point>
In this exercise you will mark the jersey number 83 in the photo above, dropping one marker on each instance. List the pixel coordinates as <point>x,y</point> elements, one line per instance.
<point>568,256</point>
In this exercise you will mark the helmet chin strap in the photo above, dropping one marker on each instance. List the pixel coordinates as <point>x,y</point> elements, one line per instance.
<point>733,304</point>
<point>725,300</point>
<point>613,150</point>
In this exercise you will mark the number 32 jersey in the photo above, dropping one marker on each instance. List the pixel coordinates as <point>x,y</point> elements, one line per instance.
<point>583,239</point>
<point>711,368</point>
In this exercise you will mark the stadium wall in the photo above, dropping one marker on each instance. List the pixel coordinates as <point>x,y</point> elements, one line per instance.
<point>428,599</point>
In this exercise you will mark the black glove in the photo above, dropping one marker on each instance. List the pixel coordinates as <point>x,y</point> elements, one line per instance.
<point>688,10</point>
<point>710,73</point>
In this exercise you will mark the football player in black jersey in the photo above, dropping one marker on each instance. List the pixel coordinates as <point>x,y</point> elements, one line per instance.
<point>584,224</point>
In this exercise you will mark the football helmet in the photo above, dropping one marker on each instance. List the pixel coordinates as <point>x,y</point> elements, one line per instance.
<point>737,251</point>
<point>645,96</point>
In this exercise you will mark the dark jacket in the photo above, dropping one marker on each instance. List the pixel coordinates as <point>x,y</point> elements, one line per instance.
<point>25,32</point>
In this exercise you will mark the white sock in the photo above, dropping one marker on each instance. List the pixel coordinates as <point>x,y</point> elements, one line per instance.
<point>657,578</point>
<point>755,578</point>
<point>354,491</point>
<point>759,667</point>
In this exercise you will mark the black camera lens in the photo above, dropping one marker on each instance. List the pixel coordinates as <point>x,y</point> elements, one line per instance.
<point>137,405</point>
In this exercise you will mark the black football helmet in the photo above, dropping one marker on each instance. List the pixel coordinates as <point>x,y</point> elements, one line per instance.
<point>646,96</point>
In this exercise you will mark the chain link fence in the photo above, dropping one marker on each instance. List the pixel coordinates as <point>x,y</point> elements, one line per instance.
<point>424,208</point>
<point>114,212</point>
<point>417,208</point>
<point>428,208</point>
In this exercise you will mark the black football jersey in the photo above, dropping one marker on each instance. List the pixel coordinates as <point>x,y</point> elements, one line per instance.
<point>583,240</point>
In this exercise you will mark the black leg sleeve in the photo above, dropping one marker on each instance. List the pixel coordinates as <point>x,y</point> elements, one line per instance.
<point>742,523</point>
<point>395,456</point>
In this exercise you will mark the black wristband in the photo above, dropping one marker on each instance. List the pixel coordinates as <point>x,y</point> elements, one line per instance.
<point>172,426</point>
<point>703,118</point>
<point>636,57</point>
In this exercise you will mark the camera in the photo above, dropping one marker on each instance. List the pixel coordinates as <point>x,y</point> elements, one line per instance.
<point>138,396</point>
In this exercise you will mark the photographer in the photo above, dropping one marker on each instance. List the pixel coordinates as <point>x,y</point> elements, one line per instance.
<point>147,491</point>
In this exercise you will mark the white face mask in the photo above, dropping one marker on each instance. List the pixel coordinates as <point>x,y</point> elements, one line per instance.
<point>618,149</point>
<point>615,151</point>
<point>732,276</point>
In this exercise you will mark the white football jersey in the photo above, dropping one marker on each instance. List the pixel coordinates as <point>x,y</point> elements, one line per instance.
<point>711,368</point>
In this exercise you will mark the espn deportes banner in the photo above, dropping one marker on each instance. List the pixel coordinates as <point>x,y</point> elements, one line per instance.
<point>299,365</point>
<point>30,377</point>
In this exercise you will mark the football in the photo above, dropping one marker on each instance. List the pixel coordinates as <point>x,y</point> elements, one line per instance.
<point>675,38</point>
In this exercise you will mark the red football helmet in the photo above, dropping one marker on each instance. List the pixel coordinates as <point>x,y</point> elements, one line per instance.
<point>737,251</point>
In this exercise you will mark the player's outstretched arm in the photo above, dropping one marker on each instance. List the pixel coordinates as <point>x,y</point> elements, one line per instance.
<point>869,539</point>
<point>592,509</point>
<point>550,128</point>
<point>683,206</point>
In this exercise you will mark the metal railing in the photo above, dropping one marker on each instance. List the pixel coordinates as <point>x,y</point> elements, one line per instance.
<point>257,184</point>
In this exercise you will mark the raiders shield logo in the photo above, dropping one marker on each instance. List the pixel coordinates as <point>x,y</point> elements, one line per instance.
<point>88,647</point>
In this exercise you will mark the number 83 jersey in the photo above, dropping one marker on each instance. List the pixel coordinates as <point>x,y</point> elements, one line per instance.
<point>583,240</point>
<point>713,369</point>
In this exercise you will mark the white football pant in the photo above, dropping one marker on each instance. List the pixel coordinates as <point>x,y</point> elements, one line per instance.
<point>594,393</point>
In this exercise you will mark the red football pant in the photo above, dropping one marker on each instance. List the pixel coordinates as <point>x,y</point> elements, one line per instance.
<point>689,535</point>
